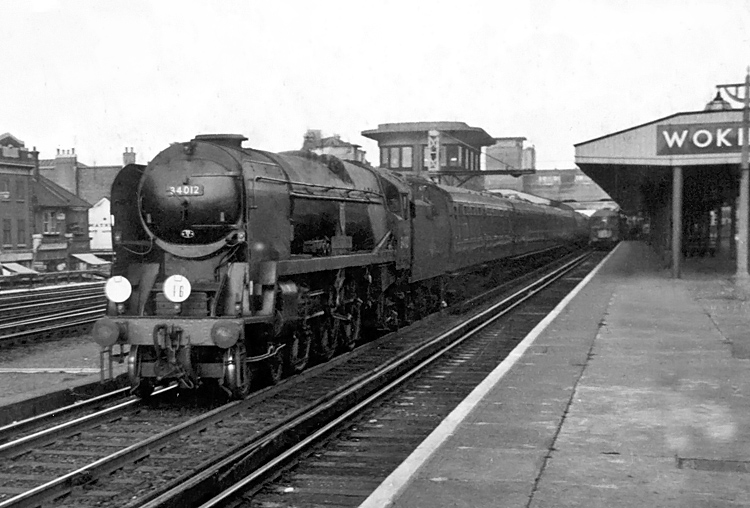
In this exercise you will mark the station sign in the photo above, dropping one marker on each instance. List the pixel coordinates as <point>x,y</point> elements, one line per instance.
<point>433,151</point>
<point>691,139</point>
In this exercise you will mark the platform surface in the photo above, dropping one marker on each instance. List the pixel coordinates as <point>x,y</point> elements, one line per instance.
<point>636,394</point>
<point>43,368</point>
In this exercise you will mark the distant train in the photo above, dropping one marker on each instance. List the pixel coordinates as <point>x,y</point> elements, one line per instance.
<point>607,227</point>
<point>232,263</point>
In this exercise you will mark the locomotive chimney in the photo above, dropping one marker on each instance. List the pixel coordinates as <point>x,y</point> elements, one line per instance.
<point>230,140</point>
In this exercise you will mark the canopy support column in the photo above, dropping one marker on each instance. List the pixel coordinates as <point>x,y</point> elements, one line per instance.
<point>676,221</point>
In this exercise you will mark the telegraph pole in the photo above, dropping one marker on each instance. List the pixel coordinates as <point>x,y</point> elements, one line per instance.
<point>742,276</point>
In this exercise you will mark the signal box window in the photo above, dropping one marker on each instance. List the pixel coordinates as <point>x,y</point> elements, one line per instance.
<point>452,152</point>
<point>407,157</point>
<point>394,158</point>
<point>397,157</point>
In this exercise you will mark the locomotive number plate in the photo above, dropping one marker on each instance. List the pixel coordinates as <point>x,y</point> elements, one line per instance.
<point>185,190</point>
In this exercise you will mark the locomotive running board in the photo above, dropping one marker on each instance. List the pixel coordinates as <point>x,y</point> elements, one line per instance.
<point>307,265</point>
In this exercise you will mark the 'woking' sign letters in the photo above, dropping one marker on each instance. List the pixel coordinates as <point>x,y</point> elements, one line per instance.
<point>691,139</point>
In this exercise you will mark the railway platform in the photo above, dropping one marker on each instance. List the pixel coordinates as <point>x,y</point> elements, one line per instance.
<point>635,393</point>
<point>46,373</point>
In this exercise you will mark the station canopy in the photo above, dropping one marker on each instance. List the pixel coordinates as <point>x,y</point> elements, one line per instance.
<point>90,259</point>
<point>13,268</point>
<point>629,163</point>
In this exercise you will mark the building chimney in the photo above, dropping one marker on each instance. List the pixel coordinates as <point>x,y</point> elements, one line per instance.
<point>311,140</point>
<point>128,157</point>
<point>65,171</point>
<point>34,154</point>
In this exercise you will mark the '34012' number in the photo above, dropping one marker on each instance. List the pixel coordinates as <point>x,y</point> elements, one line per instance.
<point>185,190</point>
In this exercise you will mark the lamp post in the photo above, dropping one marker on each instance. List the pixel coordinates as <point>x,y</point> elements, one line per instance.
<point>733,91</point>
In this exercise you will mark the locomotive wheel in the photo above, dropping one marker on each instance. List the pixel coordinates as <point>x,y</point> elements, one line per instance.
<point>324,345</point>
<point>142,387</point>
<point>297,354</point>
<point>237,373</point>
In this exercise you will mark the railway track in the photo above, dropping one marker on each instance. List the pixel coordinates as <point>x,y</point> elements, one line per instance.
<point>32,314</point>
<point>14,297</point>
<point>341,464</point>
<point>59,415</point>
<point>159,454</point>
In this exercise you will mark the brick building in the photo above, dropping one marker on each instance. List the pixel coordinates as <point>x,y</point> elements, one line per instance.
<point>570,186</point>
<point>61,238</point>
<point>17,166</point>
<point>44,226</point>
<point>506,153</point>
<point>92,184</point>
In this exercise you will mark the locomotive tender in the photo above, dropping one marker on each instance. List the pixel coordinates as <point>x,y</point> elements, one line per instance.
<point>232,263</point>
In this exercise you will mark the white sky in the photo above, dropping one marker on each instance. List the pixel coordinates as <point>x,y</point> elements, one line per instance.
<point>99,75</point>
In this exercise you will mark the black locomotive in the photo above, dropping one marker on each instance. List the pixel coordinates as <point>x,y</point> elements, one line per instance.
<point>232,262</point>
<point>607,228</point>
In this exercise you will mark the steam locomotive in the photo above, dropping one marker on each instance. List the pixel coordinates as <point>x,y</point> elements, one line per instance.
<point>233,263</point>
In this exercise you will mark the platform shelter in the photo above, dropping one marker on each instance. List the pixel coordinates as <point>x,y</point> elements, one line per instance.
<point>682,173</point>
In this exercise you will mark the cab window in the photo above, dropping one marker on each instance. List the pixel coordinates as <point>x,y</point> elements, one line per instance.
<point>392,198</point>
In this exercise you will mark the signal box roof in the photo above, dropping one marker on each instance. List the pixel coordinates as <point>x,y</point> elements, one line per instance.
<point>474,136</point>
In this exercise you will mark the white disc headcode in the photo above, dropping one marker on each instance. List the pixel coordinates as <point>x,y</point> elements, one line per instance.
<point>118,289</point>
<point>177,288</point>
